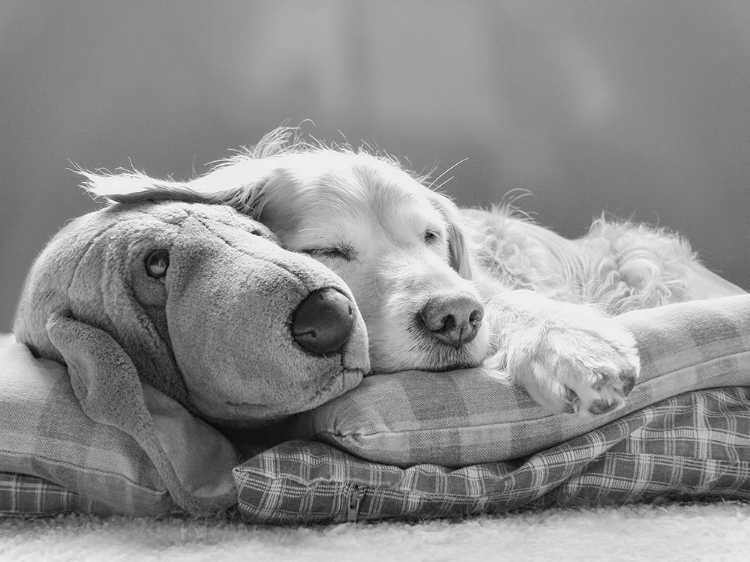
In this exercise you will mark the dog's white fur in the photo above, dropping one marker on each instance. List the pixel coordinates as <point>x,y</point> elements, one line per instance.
<point>398,244</point>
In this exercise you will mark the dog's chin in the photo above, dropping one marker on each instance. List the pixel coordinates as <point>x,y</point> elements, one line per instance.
<point>428,364</point>
<point>428,355</point>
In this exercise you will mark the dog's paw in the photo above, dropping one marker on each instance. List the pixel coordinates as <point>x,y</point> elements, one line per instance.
<point>585,365</point>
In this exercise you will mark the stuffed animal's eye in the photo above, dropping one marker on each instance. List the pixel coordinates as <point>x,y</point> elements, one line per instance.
<point>157,263</point>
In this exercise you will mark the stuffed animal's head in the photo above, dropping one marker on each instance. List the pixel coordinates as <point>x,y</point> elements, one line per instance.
<point>209,309</point>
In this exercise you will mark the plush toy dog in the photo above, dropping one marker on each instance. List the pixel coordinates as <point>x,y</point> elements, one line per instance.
<point>157,305</point>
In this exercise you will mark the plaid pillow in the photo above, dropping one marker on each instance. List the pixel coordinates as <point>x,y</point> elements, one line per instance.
<point>693,446</point>
<point>44,433</point>
<point>29,495</point>
<point>475,416</point>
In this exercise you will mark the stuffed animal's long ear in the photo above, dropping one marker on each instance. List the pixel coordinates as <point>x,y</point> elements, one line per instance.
<point>130,187</point>
<point>238,181</point>
<point>194,460</point>
<point>459,251</point>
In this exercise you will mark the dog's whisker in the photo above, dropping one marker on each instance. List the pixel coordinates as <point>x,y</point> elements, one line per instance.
<point>432,183</point>
<point>312,230</point>
<point>377,290</point>
<point>439,187</point>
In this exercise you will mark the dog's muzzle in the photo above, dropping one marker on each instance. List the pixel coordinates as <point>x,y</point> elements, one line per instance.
<point>453,319</point>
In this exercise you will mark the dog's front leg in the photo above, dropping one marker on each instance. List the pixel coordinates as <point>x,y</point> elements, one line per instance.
<point>568,357</point>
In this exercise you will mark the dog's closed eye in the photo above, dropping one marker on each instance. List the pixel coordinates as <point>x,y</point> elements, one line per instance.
<point>343,252</point>
<point>431,236</point>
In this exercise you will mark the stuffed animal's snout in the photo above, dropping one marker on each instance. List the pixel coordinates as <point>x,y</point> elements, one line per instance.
<point>323,322</point>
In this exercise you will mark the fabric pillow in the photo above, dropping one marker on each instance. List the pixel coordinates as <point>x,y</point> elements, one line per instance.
<point>29,495</point>
<point>690,447</point>
<point>44,433</point>
<point>475,416</point>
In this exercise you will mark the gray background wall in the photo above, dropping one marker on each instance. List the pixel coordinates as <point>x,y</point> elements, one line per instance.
<point>639,107</point>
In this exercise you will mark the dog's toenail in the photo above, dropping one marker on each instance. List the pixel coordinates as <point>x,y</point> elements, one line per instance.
<point>571,402</point>
<point>628,382</point>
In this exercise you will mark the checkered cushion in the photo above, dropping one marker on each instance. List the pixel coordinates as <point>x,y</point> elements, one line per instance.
<point>693,446</point>
<point>467,417</point>
<point>29,495</point>
<point>674,438</point>
<point>44,433</point>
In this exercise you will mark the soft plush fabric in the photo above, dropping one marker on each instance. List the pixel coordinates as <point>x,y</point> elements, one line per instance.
<point>213,333</point>
<point>45,433</point>
<point>466,417</point>
<point>168,313</point>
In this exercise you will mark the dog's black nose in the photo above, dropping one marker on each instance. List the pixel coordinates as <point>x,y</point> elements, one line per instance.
<point>323,321</point>
<point>453,319</point>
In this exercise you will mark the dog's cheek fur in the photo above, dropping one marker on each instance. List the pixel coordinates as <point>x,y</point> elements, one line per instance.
<point>456,228</point>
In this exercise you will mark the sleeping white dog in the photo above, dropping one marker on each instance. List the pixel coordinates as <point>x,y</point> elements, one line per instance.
<point>440,288</point>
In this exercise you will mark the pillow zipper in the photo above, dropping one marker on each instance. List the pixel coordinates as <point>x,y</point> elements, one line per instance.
<point>355,500</point>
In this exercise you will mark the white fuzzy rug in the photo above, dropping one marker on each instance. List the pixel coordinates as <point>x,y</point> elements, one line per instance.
<point>661,533</point>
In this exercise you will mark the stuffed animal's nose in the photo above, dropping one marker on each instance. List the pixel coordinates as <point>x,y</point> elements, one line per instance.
<point>453,319</point>
<point>323,321</point>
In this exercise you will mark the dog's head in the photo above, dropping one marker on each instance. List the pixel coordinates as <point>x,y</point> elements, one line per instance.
<point>399,245</point>
<point>206,305</point>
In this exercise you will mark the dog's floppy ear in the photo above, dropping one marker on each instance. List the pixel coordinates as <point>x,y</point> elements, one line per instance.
<point>255,176</point>
<point>239,182</point>
<point>130,187</point>
<point>459,251</point>
<point>194,460</point>
<point>239,185</point>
